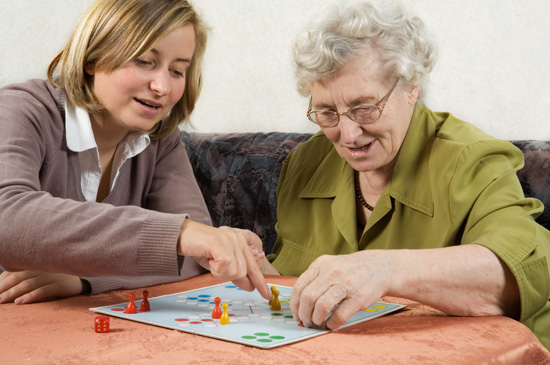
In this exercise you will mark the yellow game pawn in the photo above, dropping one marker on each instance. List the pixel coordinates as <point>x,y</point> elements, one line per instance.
<point>224,319</point>
<point>272,295</point>
<point>275,303</point>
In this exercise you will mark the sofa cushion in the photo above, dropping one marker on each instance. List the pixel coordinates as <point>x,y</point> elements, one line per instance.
<point>238,176</point>
<point>535,175</point>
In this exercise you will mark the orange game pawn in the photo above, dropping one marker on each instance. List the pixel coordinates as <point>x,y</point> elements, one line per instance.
<point>145,306</point>
<point>131,307</point>
<point>217,312</point>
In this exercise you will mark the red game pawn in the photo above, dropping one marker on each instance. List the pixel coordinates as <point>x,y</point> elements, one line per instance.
<point>102,324</point>
<point>145,307</point>
<point>217,312</point>
<point>131,307</point>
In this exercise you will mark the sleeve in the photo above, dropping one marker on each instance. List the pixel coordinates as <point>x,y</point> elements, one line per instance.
<point>502,218</point>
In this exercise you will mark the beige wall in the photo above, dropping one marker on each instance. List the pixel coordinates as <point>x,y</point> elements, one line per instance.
<point>493,69</point>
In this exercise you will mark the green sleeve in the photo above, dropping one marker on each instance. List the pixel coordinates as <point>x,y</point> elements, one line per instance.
<point>502,219</point>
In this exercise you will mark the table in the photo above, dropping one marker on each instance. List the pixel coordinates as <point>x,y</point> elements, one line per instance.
<point>62,331</point>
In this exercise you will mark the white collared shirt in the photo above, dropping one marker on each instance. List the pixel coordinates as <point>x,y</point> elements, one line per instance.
<point>80,139</point>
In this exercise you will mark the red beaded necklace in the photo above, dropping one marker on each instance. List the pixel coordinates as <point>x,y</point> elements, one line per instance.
<point>359,195</point>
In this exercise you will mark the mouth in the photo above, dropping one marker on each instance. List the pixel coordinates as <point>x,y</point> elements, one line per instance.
<point>362,148</point>
<point>148,104</point>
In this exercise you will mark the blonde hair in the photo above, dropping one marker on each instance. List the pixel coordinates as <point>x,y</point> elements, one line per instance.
<point>113,33</point>
<point>345,30</point>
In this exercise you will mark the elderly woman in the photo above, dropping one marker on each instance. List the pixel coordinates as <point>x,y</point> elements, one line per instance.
<point>391,198</point>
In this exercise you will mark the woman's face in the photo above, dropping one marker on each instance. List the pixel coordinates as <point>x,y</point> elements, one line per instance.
<point>138,95</point>
<point>366,147</point>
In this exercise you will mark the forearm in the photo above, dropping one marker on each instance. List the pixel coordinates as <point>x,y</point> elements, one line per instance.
<point>467,280</point>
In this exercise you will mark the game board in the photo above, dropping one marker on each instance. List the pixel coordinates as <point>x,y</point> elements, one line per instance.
<point>252,322</point>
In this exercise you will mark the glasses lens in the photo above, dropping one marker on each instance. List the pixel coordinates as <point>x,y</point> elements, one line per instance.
<point>365,113</point>
<point>324,117</point>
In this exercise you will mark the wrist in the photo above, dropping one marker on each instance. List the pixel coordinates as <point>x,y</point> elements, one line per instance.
<point>403,275</point>
<point>86,287</point>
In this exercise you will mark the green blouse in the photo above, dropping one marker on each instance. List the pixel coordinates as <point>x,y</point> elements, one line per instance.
<point>452,184</point>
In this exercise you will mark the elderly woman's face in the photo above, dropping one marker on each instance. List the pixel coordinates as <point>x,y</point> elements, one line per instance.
<point>366,147</point>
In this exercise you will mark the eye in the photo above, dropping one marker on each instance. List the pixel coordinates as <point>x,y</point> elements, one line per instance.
<point>178,73</point>
<point>142,63</point>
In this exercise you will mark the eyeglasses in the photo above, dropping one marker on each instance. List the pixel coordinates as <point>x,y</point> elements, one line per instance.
<point>362,114</point>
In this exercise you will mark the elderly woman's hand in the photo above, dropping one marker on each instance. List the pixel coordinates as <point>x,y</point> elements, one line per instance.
<point>342,284</point>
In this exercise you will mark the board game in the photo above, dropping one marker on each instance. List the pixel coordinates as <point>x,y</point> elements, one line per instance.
<point>252,322</point>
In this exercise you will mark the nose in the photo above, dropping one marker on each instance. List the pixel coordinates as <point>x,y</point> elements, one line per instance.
<point>160,83</point>
<point>349,130</point>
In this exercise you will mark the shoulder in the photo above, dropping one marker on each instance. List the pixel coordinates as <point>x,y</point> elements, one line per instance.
<point>38,91</point>
<point>34,106</point>
<point>465,143</point>
<point>32,99</point>
<point>309,154</point>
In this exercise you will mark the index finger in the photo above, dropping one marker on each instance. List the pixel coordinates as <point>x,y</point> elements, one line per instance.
<point>255,275</point>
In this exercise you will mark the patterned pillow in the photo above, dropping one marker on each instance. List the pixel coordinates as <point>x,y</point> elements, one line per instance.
<point>238,175</point>
<point>535,175</point>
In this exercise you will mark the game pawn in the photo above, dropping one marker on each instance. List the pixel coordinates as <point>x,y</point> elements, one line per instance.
<point>131,307</point>
<point>145,306</point>
<point>275,303</point>
<point>273,288</point>
<point>217,312</point>
<point>224,319</point>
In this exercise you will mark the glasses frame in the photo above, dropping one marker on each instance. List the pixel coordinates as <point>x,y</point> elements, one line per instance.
<point>379,105</point>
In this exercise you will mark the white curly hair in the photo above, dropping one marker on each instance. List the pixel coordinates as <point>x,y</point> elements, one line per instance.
<point>346,29</point>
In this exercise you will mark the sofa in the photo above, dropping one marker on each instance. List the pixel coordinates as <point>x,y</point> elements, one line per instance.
<point>238,175</point>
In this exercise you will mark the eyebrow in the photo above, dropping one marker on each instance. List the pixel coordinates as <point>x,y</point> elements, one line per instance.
<point>371,100</point>
<point>179,59</point>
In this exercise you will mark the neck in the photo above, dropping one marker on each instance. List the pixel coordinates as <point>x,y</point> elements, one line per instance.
<point>107,135</point>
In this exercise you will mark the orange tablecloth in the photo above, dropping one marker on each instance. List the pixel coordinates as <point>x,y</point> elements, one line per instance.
<point>62,332</point>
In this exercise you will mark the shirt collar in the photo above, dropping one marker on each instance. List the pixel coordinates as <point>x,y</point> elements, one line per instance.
<point>411,179</point>
<point>80,136</point>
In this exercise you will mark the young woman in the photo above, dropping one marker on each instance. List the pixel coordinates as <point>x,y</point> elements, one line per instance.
<point>96,190</point>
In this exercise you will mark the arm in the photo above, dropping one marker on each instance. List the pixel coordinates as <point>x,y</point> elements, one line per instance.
<point>464,280</point>
<point>96,239</point>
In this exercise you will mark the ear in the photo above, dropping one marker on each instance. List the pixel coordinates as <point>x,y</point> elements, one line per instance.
<point>412,96</point>
<point>90,68</point>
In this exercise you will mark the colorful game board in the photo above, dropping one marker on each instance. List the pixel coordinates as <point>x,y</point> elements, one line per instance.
<point>252,322</point>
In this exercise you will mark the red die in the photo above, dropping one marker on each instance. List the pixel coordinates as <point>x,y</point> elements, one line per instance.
<point>102,324</point>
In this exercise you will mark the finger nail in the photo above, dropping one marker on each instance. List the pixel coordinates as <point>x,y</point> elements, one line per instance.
<point>19,301</point>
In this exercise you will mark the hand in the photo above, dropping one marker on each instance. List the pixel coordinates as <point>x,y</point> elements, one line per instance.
<point>31,286</point>
<point>226,252</point>
<point>343,284</point>
<point>254,243</point>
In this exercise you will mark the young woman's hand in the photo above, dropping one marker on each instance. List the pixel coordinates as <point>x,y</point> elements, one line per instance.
<point>32,286</point>
<point>227,253</point>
